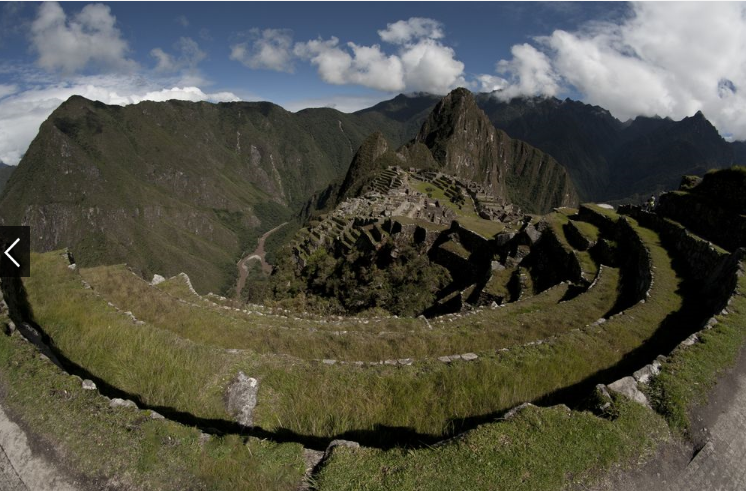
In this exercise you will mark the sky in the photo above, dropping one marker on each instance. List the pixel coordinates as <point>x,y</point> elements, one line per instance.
<point>635,59</point>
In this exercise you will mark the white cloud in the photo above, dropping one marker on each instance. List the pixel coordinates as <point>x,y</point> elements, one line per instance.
<point>669,59</point>
<point>6,90</point>
<point>367,65</point>
<point>182,21</point>
<point>416,28</point>
<point>188,57</point>
<point>490,83</point>
<point>269,49</point>
<point>431,67</point>
<point>22,113</point>
<point>71,44</point>
<point>530,72</point>
<point>421,63</point>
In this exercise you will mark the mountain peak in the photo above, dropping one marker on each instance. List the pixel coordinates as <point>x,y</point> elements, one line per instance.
<point>366,161</point>
<point>456,112</point>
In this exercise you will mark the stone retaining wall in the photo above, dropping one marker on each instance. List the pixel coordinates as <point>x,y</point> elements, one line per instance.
<point>700,256</point>
<point>723,227</point>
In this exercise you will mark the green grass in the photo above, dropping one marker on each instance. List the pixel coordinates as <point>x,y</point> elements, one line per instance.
<point>485,228</point>
<point>498,283</point>
<point>514,454</point>
<point>128,446</point>
<point>538,317</point>
<point>317,399</point>
<point>688,375</point>
<point>588,230</point>
<point>557,222</point>
<point>539,449</point>
<point>456,248</point>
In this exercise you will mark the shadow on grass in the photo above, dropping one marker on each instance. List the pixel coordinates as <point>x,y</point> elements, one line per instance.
<point>675,328</point>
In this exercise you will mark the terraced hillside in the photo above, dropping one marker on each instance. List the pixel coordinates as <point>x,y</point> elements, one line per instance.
<point>395,402</point>
<point>415,242</point>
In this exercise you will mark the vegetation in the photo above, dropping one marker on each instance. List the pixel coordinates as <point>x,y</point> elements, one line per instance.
<point>128,444</point>
<point>689,374</point>
<point>405,285</point>
<point>318,399</point>
<point>369,403</point>
<point>536,318</point>
<point>539,449</point>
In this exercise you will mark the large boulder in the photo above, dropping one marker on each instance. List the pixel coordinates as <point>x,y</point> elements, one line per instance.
<point>241,398</point>
<point>627,387</point>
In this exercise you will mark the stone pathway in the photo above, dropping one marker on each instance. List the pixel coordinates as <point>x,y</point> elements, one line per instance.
<point>24,470</point>
<point>721,426</point>
<point>718,429</point>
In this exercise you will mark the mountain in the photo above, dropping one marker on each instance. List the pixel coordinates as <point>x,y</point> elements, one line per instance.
<point>178,186</point>
<point>181,186</point>
<point>654,152</point>
<point>5,172</point>
<point>464,143</point>
<point>458,139</point>
<point>606,158</point>
<point>576,134</point>
<point>374,154</point>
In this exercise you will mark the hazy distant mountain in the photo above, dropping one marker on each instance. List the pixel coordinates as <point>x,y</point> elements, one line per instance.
<point>608,159</point>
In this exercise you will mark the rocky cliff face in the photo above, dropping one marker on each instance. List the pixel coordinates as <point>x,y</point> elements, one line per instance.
<point>464,143</point>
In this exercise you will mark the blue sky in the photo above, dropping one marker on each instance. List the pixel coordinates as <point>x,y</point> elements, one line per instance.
<point>634,59</point>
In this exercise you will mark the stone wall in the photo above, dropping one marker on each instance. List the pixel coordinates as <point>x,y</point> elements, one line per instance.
<point>635,265</point>
<point>699,256</point>
<point>719,225</point>
<point>550,263</point>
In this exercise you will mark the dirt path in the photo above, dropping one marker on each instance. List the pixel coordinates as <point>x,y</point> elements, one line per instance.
<point>24,470</point>
<point>719,440</point>
<point>257,255</point>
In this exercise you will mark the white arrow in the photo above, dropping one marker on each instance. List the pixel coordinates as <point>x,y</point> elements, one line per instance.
<point>11,257</point>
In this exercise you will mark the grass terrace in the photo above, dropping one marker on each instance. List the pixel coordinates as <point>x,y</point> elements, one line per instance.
<point>534,318</point>
<point>312,398</point>
<point>189,348</point>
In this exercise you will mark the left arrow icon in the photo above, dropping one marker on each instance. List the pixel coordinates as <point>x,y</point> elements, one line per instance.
<point>8,250</point>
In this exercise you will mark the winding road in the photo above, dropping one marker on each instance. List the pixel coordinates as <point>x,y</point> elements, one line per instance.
<point>257,255</point>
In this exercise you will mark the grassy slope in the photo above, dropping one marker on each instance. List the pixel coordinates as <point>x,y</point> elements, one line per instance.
<point>505,456</point>
<point>513,454</point>
<point>312,398</point>
<point>127,445</point>
<point>587,264</point>
<point>536,318</point>
<point>178,186</point>
<point>540,449</point>
<point>688,374</point>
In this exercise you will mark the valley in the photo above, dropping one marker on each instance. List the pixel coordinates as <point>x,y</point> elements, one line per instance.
<point>257,255</point>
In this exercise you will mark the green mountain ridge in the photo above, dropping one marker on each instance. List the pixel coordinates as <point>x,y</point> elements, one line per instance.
<point>176,186</point>
<point>180,186</point>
